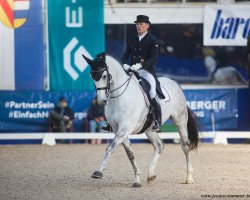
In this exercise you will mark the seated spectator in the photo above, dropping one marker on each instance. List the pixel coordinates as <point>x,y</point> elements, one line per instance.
<point>61,117</point>
<point>96,119</point>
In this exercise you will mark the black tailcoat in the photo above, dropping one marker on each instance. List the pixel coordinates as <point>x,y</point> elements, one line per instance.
<point>144,52</point>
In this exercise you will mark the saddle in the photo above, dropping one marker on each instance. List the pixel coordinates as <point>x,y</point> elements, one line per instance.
<point>146,88</point>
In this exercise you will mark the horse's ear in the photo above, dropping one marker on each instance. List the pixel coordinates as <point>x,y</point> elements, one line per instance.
<point>89,61</point>
<point>103,56</point>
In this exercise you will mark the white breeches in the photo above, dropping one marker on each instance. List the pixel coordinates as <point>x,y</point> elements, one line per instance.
<point>149,77</point>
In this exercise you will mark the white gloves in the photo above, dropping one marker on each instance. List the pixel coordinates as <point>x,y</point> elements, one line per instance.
<point>66,118</point>
<point>136,67</point>
<point>126,67</point>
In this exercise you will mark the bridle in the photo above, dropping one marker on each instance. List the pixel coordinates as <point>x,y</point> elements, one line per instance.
<point>97,74</point>
<point>127,81</point>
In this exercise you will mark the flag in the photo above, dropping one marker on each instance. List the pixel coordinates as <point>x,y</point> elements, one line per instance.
<point>75,28</point>
<point>21,42</point>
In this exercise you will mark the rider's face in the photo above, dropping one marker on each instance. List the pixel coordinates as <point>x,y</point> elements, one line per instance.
<point>141,27</point>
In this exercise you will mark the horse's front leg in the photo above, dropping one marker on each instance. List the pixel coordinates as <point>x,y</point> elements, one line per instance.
<point>120,136</point>
<point>127,146</point>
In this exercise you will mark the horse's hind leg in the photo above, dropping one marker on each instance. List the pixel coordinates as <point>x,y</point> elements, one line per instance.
<point>181,124</point>
<point>158,148</point>
<point>185,148</point>
<point>128,149</point>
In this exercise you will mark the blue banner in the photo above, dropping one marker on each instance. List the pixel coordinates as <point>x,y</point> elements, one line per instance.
<point>29,111</point>
<point>22,45</point>
<point>220,104</point>
<point>29,51</point>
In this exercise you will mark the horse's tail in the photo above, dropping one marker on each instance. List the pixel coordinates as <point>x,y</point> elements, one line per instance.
<point>193,126</point>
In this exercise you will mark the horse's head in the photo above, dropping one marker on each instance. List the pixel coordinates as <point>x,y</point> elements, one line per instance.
<point>101,76</point>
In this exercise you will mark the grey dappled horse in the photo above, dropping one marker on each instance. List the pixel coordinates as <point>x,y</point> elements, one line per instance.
<point>126,111</point>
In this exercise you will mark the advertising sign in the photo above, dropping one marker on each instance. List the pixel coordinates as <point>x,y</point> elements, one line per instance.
<point>75,28</point>
<point>218,105</point>
<point>226,25</point>
<point>29,111</point>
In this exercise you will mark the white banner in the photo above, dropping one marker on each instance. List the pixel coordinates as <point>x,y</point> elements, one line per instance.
<point>7,55</point>
<point>226,25</point>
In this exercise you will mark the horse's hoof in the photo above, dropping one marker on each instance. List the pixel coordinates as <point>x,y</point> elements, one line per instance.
<point>136,185</point>
<point>97,175</point>
<point>151,178</point>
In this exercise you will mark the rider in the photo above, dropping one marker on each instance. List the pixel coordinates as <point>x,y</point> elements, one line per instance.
<point>143,50</point>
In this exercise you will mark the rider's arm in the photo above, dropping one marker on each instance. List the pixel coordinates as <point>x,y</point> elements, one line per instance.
<point>153,56</point>
<point>125,56</point>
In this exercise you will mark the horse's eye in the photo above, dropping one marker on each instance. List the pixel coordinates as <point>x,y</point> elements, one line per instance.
<point>104,76</point>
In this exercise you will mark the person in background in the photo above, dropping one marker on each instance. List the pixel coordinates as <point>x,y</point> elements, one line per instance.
<point>61,117</point>
<point>96,119</point>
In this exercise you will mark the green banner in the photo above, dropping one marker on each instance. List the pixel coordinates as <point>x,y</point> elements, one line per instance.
<point>75,27</point>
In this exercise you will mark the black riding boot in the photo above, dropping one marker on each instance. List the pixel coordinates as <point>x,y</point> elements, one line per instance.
<point>157,111</point>
<point>107,128</point>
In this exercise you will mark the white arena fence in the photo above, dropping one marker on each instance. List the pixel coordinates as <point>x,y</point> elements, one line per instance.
<point>219,137</point>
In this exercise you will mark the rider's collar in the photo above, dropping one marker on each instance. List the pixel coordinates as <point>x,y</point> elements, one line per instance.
<point>142,36</point>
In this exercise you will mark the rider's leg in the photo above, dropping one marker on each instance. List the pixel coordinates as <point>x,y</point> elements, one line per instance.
<point>107,128</point>
<point>152,93</point>
<point>157,111</point>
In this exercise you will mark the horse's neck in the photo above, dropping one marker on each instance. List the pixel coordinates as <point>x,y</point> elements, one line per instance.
<point>124,85</point>
<point>126,97</point>
<point>119,79</point>
<point>118,74</point>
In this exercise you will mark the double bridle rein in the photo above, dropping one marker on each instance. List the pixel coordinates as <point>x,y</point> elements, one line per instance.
<point>96,75</point>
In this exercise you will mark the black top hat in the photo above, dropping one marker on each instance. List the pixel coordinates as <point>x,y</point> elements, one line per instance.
<point>142,18</point>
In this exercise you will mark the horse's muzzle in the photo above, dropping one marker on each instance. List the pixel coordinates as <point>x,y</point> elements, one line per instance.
<point>102,103</point>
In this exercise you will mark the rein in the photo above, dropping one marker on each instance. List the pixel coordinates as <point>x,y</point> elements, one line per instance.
<point>127,81</point>
<point>107,88</point>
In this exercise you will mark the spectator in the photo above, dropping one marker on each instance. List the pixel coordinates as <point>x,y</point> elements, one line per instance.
<point>96,119</point>
<point>61,117</point>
